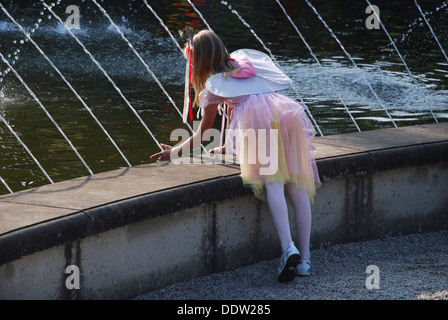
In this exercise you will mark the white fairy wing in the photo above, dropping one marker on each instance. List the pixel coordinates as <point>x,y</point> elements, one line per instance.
<point>268,77</point>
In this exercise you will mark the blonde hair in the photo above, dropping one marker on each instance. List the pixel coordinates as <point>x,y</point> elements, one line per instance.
<point>210,57</point>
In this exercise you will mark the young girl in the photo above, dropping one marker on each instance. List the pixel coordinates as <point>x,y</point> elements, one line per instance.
<point>247,82</point>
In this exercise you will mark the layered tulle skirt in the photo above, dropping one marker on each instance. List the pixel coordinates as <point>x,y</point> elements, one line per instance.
<point>271,135</point>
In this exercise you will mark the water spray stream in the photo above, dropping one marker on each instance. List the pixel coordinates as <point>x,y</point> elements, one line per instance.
<point>351,60</point>
<point>67,82</point>
<point>432,31</point>
<point>15,55</point>
<point>402,59</point>
<point>105,74</point>
<point>163,25</point>
<point>46,112</point>
<point>320,65</point>
<point>26,148</point>
<point>199,14</point>
<point>6,185</point>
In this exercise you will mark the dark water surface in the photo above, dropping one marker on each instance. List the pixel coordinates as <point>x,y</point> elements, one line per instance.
<point>324,88</point>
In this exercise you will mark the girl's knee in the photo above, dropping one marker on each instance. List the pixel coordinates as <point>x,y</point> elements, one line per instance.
<point>296,193</point>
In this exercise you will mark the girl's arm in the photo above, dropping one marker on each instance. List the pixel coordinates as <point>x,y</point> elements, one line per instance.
<point>207,121</point>
<point>222,149</point>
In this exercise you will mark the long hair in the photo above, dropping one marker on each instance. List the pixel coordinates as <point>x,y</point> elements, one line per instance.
<point>210,57</point>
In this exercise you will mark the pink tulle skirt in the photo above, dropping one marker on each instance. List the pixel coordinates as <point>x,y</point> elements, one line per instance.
<point>271,136</point>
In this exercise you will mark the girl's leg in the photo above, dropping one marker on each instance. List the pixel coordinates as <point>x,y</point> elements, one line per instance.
<point>279,210</point>
<point>302,212</point>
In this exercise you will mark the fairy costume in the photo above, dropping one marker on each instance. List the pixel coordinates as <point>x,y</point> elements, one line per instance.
<point>251,94</point>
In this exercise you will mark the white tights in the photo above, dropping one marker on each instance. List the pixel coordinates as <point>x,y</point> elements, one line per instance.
<point>302,213</point>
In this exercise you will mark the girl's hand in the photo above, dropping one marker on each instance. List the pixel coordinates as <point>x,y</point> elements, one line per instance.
<point>218,150</point>
<point>164,155</point>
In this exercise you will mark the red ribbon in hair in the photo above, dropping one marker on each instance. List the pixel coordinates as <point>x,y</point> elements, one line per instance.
<point>188,109</point>
<point>189,83</point>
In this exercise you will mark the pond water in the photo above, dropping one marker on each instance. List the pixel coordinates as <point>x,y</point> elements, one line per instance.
<point>365,75</point>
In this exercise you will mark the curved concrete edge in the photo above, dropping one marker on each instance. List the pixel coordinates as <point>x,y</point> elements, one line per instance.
<point>95,220</point>
<point>381,160</point>
<point>81,224</point>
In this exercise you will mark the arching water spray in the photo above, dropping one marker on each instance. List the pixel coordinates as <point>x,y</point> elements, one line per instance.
<point>430,28</point>
<point>199,14</point>
<point>26,148</point>
<point>105,74</point>
<point>46,112</point>
<point>163,25</point>
<point>318,62</point>
<point>15,55</point>
<point>352,61</point>
<point>6,185</point>
<point>402,60</point>
<point>28,36</point>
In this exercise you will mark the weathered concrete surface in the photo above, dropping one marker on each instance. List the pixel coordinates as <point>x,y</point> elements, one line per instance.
<point>137,229</point>
<point>25,208</point>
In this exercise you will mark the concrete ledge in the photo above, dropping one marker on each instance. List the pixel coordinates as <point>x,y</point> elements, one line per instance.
<point>112,215</point>
<point>372,184</point>
<point>382,160</point>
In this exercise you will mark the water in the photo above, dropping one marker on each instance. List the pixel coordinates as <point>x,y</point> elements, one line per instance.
<point>318,62</point>
<point>432,31</point>
<point>404,62</point>
<point>349,56</point>
<point>320,85</point>
<point>27,150</point>
<point>30,39</point>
